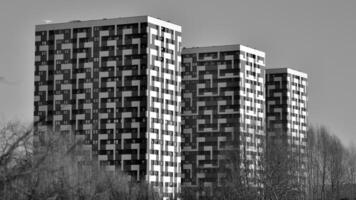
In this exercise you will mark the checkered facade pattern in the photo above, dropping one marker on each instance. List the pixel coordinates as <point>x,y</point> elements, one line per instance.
<point>286,104</point>
<point>222,109</point>
<point>116,83</point>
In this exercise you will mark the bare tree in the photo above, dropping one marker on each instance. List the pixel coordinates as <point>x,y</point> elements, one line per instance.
<point>336,166</point>
<point>312,165</point>
<point>15,155</point>
<point>283,173</point>
<point>242,180</point>
<point>331,166</point>
<point>60,168</point>
<point>349,186</point>
<point>57,166</point>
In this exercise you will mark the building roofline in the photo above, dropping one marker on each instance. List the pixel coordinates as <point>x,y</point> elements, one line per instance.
<point>233,47</point>
<point>105,21</point>
<point>286,70</point>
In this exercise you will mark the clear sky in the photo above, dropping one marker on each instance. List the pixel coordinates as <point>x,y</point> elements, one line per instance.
<point>314,36</point>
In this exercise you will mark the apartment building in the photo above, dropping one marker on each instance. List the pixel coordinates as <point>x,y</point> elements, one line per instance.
<point>116,83</point>
<point>223,114</point>
<point>286,115</point>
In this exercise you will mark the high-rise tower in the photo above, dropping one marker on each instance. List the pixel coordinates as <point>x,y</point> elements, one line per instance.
<point>286,119</point>
<point>286,104</point>
<point>222,111</point>
<point>117,83</point>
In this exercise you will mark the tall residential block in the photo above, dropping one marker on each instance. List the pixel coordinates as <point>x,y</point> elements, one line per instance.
<point>116,83</point>
<point>286,114</point>
<point>223,112</point>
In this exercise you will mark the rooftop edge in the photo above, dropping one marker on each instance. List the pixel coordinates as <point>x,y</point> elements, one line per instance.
<point>223,47</point>
<point>286,70</point>
<point>104,21</point>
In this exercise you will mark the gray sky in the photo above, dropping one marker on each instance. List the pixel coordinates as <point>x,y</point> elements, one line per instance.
<point>314,36</point>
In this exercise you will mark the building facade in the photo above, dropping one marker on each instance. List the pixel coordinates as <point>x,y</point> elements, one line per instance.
<point>286,116</point>
<point>222,111</point>
<point>116,83</point>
